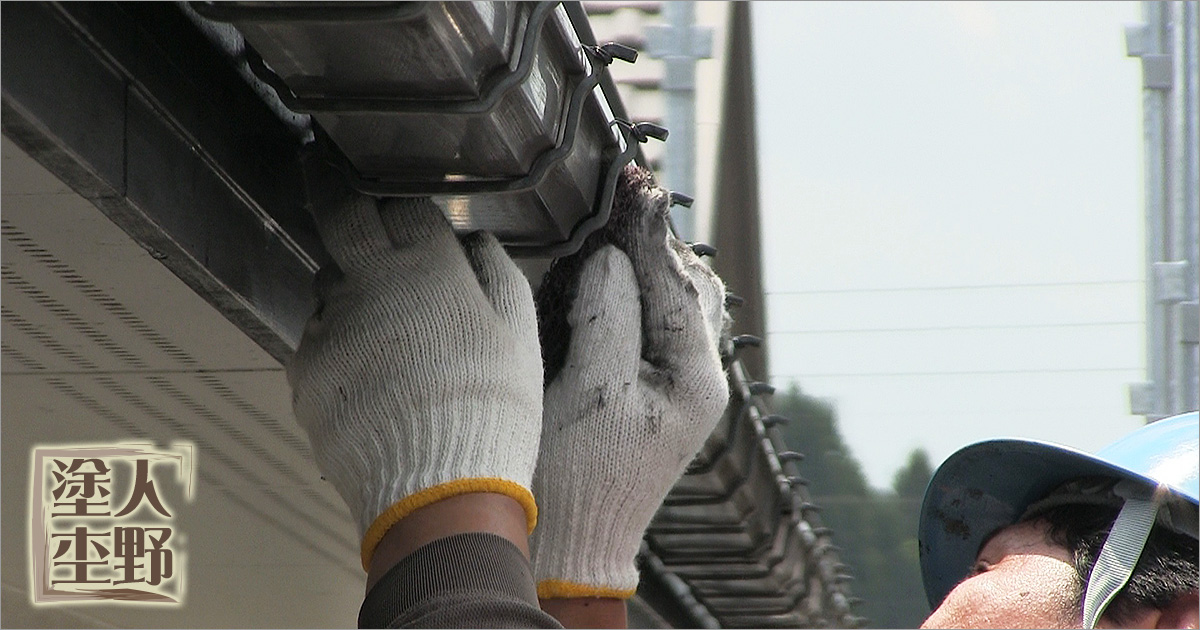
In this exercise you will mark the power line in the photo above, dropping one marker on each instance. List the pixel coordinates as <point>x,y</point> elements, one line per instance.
<point>942,328</point>
<point>957,373</point>
<point>964,287</point>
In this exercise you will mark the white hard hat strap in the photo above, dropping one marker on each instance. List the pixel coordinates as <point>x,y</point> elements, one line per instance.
<point>1118,556</point>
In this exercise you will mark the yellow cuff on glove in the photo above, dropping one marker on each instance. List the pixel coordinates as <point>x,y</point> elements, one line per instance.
<point>562,589</point>
<point>429,496</point>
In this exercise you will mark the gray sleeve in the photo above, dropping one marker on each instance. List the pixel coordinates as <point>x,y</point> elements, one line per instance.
<point>462,581</point>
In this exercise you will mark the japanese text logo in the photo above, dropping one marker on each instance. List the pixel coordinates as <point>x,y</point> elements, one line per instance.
<point>101,527</point>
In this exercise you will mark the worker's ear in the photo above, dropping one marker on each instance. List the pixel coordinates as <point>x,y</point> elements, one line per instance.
<point>1181,613</point>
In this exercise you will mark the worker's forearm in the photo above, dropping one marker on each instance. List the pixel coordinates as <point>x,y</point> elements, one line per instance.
<point>480,512</point>
<point>468,580</point>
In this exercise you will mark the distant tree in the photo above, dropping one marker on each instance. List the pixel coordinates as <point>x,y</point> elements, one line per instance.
<point>909,484</point>
<point>828,463</point>
<point>911,480</point>
<point>876,530</point>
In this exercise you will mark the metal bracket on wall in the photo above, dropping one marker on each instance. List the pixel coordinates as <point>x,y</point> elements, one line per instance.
<point>1170,281</point>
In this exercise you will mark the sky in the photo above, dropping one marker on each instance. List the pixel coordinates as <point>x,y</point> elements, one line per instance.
<point>953,219</point>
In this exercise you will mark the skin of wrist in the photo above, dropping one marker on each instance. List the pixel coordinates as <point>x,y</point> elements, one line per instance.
<point>587,612</point>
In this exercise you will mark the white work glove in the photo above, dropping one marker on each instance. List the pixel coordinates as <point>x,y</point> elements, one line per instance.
<point>418,378</point>
<point>639,390</point>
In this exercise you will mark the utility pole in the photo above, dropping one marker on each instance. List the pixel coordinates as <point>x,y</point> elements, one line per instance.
<point>680,44</point>
<point>1166,44</point>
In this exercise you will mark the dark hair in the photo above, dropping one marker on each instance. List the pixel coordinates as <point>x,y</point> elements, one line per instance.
<point>1166,569</point>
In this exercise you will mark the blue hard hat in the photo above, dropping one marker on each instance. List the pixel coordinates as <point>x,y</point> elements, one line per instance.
<point>986,486</point>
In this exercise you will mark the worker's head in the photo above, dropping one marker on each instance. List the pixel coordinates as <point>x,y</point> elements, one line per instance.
<point>1016,533</point>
